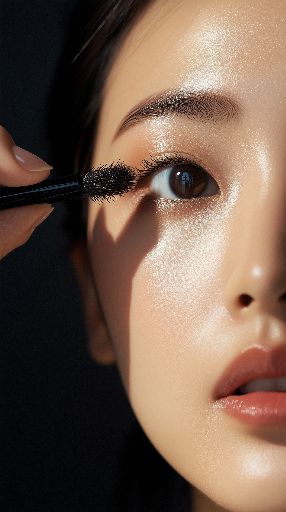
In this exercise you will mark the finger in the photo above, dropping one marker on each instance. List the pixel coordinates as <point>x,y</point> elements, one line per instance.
<point>18,224</point>
<point>18,166</point>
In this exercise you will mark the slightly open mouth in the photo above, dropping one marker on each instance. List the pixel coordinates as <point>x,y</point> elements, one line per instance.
<point>238,392</point>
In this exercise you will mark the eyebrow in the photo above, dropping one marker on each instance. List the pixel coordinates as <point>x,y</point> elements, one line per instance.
<point>200,105</point>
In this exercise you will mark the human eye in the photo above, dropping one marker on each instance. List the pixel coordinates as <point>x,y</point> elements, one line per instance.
<point>178,178</point>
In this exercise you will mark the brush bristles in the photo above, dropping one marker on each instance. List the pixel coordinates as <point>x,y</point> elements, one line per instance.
<point>108,181</point>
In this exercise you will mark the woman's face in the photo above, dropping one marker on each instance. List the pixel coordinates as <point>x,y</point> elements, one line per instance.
<point>172,273</point>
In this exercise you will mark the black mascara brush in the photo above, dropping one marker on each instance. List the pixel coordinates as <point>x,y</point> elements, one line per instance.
<point>101,183</point>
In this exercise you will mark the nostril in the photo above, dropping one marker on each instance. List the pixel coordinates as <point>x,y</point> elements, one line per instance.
<point>244,300</point>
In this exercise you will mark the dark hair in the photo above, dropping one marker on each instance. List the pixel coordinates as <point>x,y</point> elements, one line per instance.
<point>109,22</point>
<point>95,34</point>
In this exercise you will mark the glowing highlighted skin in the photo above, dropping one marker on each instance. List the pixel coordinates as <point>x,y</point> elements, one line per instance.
<point>187,284</point>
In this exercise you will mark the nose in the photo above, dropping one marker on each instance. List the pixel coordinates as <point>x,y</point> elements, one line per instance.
<point>256,254</point>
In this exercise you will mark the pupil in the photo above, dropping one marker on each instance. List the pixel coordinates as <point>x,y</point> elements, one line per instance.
<point>188,182</point>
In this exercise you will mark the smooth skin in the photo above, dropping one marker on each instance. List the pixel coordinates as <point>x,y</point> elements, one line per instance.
<point>170,276</point>
<point>18,224</point>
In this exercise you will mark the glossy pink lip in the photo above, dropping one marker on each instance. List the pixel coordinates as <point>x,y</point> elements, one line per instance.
<point>254,363</point>
<point>260,408</point>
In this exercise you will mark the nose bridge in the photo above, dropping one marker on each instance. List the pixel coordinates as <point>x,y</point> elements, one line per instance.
<point>256,253</point>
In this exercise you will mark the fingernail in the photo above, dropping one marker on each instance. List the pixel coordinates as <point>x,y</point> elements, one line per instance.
<point>29,161</point>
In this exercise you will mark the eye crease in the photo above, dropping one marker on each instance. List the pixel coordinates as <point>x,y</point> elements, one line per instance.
<point>178,178</point>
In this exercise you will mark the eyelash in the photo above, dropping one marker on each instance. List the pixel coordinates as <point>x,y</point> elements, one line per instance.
<point>156,164</point>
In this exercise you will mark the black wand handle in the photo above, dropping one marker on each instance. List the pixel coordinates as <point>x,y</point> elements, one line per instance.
<point>48,191</point>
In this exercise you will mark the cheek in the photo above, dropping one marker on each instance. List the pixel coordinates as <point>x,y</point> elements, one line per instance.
<point>159,283</point>
<point>176,307</point>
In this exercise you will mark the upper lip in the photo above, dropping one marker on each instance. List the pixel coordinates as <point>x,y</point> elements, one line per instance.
<point>253,363</point>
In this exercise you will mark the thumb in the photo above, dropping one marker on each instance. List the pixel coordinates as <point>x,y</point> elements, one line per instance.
<point>17,165</point>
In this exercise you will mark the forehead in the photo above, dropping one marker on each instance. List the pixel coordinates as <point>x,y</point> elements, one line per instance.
<point>237,47</point>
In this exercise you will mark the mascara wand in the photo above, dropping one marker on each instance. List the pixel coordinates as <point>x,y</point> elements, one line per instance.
<point>98,184</point>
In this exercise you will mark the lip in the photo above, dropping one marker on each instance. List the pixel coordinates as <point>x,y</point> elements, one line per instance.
<point>260,407</point>
<point>253,363</point>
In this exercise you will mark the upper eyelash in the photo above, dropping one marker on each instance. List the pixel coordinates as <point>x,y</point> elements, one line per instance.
<point>155,164</point>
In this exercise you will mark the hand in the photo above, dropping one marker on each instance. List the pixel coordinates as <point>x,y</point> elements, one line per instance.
<point>18,167</point>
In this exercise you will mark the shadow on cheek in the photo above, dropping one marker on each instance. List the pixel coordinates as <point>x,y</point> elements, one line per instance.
<point>115,264</point>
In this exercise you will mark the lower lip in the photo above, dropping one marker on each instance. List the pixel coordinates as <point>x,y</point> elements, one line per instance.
<point>258,408</point>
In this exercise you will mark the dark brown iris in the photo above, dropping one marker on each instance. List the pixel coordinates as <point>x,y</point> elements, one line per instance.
<point>187,182</point>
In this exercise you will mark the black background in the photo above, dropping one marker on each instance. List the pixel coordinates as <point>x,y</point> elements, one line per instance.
<point>64,419</point>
